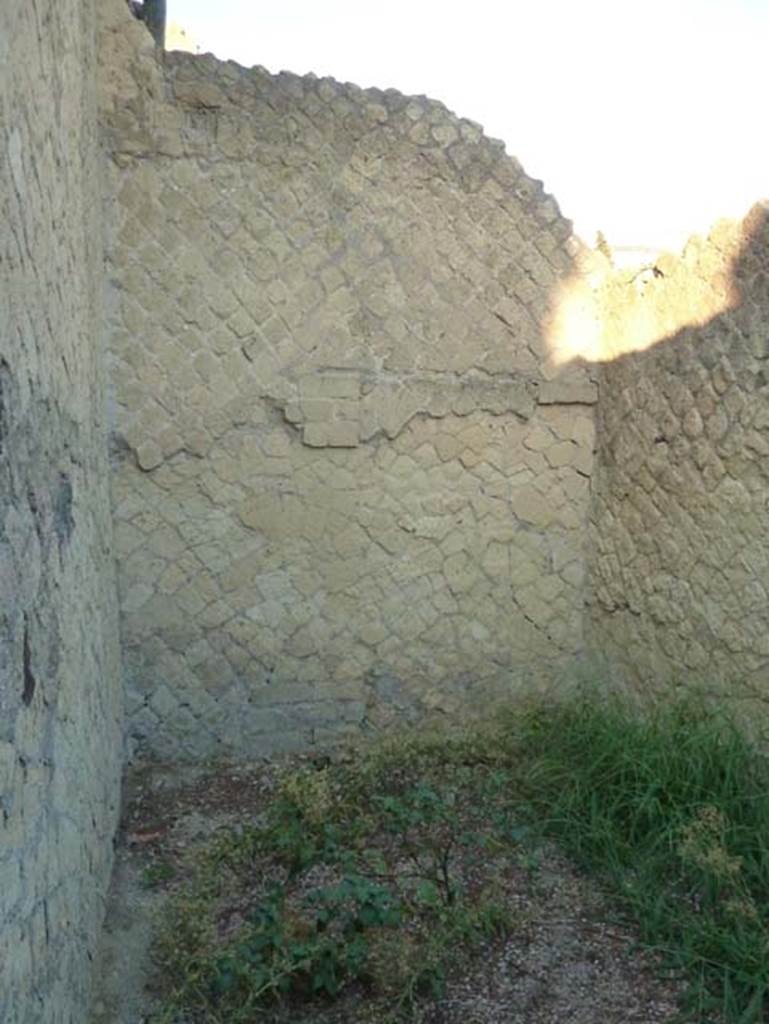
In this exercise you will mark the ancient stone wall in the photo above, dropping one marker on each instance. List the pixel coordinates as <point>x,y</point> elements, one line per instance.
<point>352,442</point>
<point>680,530</point>
<point>348,485</point>
<point>60,728</point>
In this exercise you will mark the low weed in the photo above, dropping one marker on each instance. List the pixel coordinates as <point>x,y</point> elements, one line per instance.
<point>157,874</point>
<point>365,879</point>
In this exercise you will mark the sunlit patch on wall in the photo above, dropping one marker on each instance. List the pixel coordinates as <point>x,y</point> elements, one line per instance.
<point>601,312</point>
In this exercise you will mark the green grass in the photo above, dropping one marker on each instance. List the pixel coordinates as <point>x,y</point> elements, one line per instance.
<point>368,877</point>
<point>672,808</point>
<point>155,875</point>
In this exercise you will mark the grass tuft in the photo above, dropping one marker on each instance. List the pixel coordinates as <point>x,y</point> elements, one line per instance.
<point>672,807</point>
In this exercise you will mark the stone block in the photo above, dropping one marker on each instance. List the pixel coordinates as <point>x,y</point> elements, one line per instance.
<point>564,392</point>
<point>336,386</point>
<point>336,434</point>
<point>528,505</point>
<point>149,455</point>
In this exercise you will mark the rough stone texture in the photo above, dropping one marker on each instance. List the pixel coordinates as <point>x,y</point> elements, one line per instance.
<point>351,483</point>
<point>60,730</point>
<point>680,531</point>
<point>348,485</point>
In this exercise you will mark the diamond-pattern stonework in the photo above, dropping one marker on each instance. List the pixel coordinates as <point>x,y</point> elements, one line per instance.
<point>349,485</point>
<point>343,491</point>
<point>680,521</point>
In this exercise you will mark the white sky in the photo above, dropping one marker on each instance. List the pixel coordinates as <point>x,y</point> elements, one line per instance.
<point>644,118</point>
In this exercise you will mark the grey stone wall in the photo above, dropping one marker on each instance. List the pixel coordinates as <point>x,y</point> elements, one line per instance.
<point>680,531</point>
<point>348,484</point>
<point>60,730</point>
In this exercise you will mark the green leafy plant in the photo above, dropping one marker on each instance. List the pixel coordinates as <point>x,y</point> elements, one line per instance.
<point>367,872</point>
<point>315,949</point>
<point>157,874</point>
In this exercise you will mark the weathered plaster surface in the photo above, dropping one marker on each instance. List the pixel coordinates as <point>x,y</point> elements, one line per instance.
<point>60,721</point>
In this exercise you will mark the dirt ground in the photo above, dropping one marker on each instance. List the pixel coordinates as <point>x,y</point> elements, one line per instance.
<point>573,959</point>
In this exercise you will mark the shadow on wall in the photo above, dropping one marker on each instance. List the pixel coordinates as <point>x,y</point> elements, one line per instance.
<point>680,515</point>
<point>153,14</point>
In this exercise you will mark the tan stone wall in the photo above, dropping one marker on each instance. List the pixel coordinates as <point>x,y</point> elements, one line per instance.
<point>351,482</point>
<point>680,531</point>
<point>347,486</point>
<point>60,730</point>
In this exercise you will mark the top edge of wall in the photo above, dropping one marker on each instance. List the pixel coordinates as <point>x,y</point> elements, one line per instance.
<point>207,84</point>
